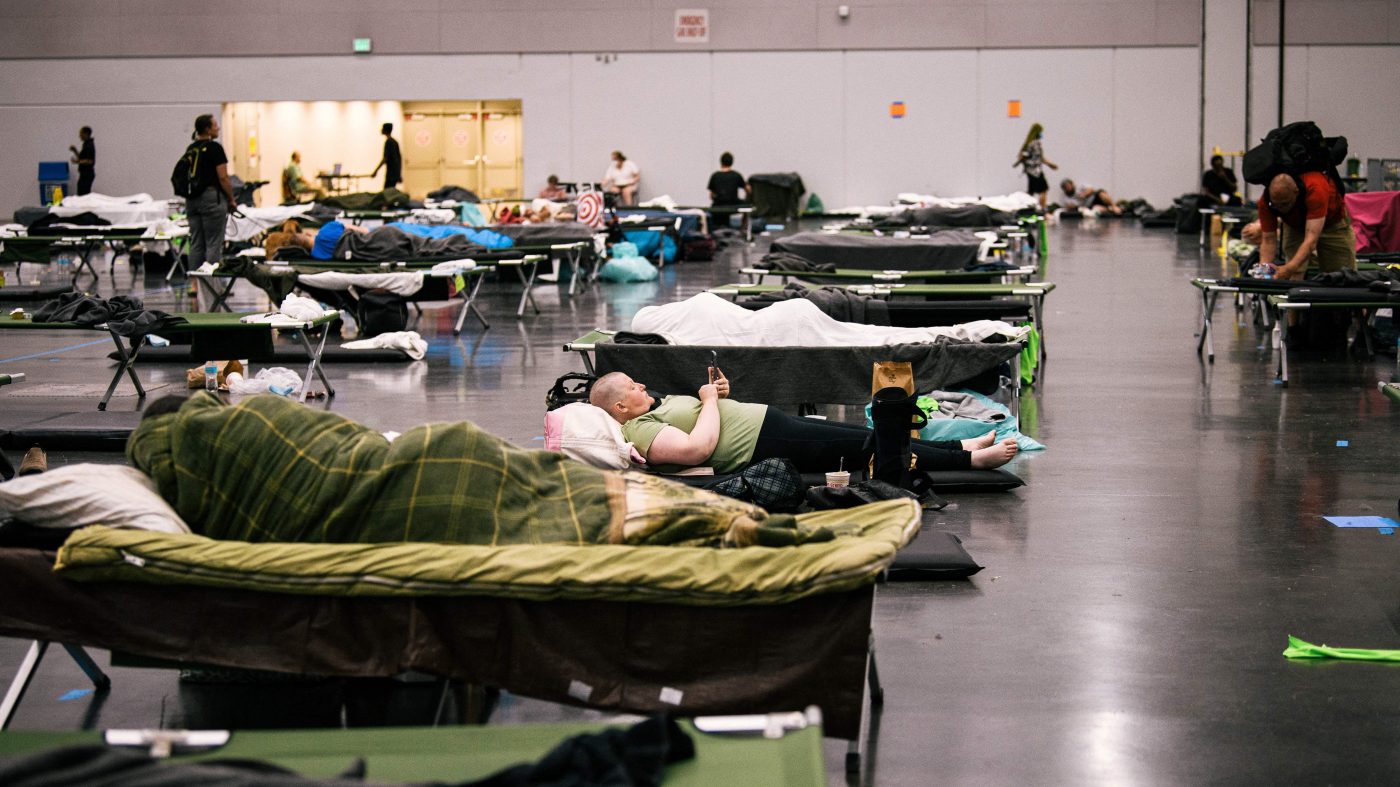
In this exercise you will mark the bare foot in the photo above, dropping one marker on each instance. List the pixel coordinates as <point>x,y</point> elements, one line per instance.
<point>994,456</point>
<point>972,444</point>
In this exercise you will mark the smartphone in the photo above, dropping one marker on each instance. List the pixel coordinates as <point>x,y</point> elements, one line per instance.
<point>713,370</point>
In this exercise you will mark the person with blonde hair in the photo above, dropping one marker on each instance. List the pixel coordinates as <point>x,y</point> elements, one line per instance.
<point>1030,160</point>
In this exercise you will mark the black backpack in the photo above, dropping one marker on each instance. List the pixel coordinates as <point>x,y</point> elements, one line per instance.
<point>572,387</point>
<point>381,311</point>
<point>1294,149</point>
<point>184,180</point>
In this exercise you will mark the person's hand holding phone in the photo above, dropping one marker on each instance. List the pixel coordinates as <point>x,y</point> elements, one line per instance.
<point>720,382</point>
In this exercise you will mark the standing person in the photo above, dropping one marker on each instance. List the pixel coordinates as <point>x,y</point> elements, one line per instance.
<point>211,194</point>
<point>1030,159</point>
<point>85,159</point>
<point>391,161</point>
<point>1312,218</point>
<point>1219,185</point>
<point>622,178</point>
<point>725,184</point>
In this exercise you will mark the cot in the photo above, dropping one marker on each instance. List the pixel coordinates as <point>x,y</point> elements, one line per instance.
<point>450,755</point>
<point>793,376</point>
<point>1391,390</point>
<point>1032,292</point>
<point>444,284</point>
<point>228,327</point>
<point>84,241</point>
<point>1299,299</point>
<point>686,630</point>
<point>943,250</point>
<point>862,276</point>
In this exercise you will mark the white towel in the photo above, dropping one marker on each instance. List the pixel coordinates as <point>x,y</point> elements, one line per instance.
<point>408,341</point>
<point>300,308</point>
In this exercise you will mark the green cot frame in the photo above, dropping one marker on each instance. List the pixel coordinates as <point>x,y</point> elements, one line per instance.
<point>1281,305</point>
<point>127,354</point>
<point>460,753</point>
<point>30,246</point>
<point>1008,276</point>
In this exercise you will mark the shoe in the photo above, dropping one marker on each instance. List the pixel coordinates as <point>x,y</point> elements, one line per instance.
<point>35,461</point>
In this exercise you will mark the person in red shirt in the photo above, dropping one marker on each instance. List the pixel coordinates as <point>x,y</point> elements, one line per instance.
<point>1313,223</point>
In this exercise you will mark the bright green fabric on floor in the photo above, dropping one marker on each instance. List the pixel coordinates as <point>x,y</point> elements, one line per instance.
<point>1298,649</point>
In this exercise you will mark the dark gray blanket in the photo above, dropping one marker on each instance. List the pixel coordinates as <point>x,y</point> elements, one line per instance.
<point>966,216</point>
<point>386,244</point>
<point>837,303</point>
<point>547,233</point>
<point>947,250</point>
<point>792,376</point>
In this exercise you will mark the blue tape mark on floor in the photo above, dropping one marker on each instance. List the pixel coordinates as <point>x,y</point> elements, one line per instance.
<point>1343,443</point>
<point>75,694</point>
<point>47,353</point>
<point>1386,531</point>
<point>1362,521</point>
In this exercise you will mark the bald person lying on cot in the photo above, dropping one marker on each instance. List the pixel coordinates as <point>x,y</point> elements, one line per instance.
<point>712,430</point>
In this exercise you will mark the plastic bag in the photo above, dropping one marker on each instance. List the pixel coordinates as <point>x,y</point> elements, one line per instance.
<point>627,269</point>
<point>277,379</point>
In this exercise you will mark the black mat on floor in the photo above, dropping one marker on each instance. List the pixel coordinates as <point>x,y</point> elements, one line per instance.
<point>288,355</point>
<point>88,430</point>
<point>37,292</point>
<point>933,554</point>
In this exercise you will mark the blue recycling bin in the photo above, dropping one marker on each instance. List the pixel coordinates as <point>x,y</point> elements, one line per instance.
<point>51,174</point>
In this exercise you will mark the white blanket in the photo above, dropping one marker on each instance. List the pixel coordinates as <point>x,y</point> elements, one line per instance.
<point>405,284</point>
<point>408,341</point>
<point>133,209</point>
<point>255,220</point>
<point>708,319</point>
<point>1017,200</point>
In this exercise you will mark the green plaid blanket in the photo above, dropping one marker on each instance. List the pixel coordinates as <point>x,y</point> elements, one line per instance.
<point>270,469</point>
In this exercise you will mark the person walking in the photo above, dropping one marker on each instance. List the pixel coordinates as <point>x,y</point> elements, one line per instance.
<point>85,158</point>
<point>1030,160</point>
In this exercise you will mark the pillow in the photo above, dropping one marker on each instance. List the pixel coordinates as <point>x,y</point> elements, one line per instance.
<point>587,434</point>
<point>933,554</point>
<point>89,494</point>
<point>997,480</point>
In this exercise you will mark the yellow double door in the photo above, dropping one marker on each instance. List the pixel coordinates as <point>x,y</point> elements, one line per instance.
<point>472,144</point>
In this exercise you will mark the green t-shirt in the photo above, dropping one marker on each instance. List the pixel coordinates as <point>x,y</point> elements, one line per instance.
<point>739,424</point>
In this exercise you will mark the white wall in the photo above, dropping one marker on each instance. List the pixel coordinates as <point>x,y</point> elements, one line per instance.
<point>1118,118</point>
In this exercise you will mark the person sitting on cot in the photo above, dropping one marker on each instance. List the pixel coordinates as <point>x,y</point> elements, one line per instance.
<point>712,430</point>
<point>1089,198</point>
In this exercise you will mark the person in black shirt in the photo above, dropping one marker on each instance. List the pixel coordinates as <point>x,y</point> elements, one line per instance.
<point>85,158</point>
<point>391,161</point>
<point>1219,185</point>
<point>725,184</point>
<point>211,197</point>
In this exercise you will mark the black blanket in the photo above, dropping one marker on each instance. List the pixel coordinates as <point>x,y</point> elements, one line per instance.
<point>125,315</point>
<point>368,200</point>
<point>837,303</point>
<point>946,250</point>
<point>388,244</point>
<point>966,216</point>
<point>546,233</point>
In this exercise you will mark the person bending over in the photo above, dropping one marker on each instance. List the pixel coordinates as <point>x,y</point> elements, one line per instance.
<point>1313,223</point>
<point>1089,198</point>
<point>712,430</point>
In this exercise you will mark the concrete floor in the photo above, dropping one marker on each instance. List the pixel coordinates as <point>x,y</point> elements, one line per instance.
<point>1138,592</point>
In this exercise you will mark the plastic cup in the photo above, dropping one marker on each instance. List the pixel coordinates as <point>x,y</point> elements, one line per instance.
<point>838,478</point>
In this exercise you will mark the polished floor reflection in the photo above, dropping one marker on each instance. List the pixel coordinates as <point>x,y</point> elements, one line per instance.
<point>1138,592</point>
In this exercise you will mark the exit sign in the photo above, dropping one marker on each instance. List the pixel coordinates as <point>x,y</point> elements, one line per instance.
<point>361,45</point>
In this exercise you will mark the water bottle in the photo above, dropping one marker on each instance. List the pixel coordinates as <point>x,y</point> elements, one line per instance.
<point>1261,270</point>
<point>211,377</point>
<point>280,390</point>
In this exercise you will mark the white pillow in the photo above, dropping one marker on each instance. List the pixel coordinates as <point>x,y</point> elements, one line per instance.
<point>89,494</point>
<point>588,434</point>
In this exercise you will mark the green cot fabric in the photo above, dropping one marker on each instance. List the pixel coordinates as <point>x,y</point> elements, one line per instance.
<point>867,538</point>
<point>1030,354</point>
<point>270,469</point>
<point>1392,390</point>
<point>740,423</point>
<point>1298,649</point>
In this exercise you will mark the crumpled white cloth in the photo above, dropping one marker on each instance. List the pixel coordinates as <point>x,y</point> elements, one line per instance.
<point>665,202</point>
<point>138,209</point>
<point>405,284</point>
<point>431,216</point>
<point>707,319</point>
<point>452,266</point>
<point>301,308</point>
<point>408,341</point>
<point>1016,200</point>
<point>255,220</point>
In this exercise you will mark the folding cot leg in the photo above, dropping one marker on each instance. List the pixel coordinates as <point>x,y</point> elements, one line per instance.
<point>1280,342</point>
<point>587,362</point>
<point>1207,339</point>
<point>528,282</point>
<point>315,364</point>
<point>468,305</point>
<point>1039,304</point>
<point>575,257</point>
<point>128,365</point>
<point>872,698</point>
<point>20,684</point>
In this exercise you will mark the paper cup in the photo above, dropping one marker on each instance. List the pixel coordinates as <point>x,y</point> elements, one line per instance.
<point>838,478</point>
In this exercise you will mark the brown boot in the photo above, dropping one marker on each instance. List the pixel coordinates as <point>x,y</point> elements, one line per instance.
<point>35,461</point>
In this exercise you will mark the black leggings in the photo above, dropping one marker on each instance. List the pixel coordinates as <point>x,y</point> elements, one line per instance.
<point>817,446</point>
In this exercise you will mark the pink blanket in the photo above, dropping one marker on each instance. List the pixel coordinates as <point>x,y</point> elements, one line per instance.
<point>1375,217</point>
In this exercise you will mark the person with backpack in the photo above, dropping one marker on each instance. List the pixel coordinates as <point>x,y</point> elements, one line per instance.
<point>1306,216</point>
<point>201,177</point>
